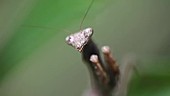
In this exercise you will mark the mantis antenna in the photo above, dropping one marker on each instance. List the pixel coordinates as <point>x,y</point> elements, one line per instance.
<point>86,14</point>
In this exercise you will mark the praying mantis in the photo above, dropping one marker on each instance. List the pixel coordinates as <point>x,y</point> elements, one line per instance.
<point>107,78</point>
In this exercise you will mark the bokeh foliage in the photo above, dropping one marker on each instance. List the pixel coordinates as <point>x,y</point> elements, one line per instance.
<point>35,61</point>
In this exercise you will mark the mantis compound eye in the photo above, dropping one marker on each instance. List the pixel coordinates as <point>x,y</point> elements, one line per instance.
<point>79,40</point>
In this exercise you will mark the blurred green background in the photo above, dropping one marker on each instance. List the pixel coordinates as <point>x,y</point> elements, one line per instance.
<point>36,61</point>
